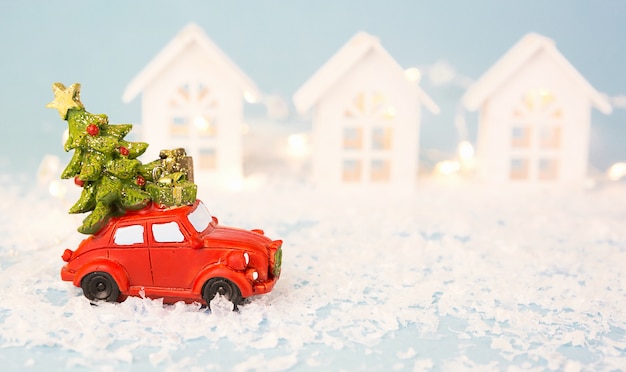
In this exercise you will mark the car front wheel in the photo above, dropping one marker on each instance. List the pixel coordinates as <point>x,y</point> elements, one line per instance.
<point>224,288</point>
<point>100,286</point>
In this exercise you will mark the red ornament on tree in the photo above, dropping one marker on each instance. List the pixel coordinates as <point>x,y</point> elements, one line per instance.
<point>93,130</point>
<point>124,151</point>
<point>140,180</point>
<point>78,182</point>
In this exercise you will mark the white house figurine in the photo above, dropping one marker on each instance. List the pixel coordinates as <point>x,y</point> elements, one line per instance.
<point>192,97</point>
<point>366,117</point>
<point>535,113</point>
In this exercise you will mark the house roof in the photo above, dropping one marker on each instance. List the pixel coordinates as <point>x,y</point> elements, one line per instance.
<point>340,63</point>
<point>190,34</point>
<point>514,60</point>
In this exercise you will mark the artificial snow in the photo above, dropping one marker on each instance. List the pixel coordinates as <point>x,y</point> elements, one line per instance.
<point>452,276</point>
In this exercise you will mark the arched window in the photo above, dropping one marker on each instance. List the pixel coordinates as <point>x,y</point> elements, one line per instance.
<point>367,137</point>
<point>193,110</point>
<point>194,115</point>
<point>536,131</point>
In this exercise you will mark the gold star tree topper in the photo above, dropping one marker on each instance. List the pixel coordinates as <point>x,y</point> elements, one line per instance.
<point>65,98</point>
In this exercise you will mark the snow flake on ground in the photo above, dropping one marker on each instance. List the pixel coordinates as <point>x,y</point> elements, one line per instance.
<point>520,279</point>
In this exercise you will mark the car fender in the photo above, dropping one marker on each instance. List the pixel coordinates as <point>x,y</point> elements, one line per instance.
<point>222,271</point>
<point>111,267</point>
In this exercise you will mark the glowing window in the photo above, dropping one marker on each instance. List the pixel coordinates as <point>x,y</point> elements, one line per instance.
<point>550,137</point>
<point>207,159</point>
<point>184,91</point>
<point>381,138</point>
<point>351,171</point>
<point>538,120</point>
<point>380,170</point>
<point>194,107</point>
<point>178,126</point>
<point>538,99</point>
<point>371,104</point>
<point>548,168</point>
<point>519,169</point>
<point>203,91</point>
<point>352,138</point>
<point>520,137</point>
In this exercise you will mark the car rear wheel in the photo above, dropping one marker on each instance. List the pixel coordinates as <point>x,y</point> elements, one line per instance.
<point>100,286</point>
<point>221,287</point>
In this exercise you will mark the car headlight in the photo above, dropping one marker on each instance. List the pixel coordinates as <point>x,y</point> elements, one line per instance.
<point>252,275</point>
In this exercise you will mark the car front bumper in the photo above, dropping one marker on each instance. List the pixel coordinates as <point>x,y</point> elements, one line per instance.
<point>265,286</point>
<point>67,275</point>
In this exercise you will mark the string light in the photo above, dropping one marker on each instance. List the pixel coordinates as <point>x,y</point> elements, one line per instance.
<point>236,184</point>
<point>48,169</point>
<point>448,167</point>
<point>57,189</point>
<point>249,97</point>
<point>298,144</point>
<point>466,151</point>
<point>201,123</point>
<point>617,171</point>
<point>413,74</point>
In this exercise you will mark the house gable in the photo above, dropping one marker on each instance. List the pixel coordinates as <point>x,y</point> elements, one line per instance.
<point>191,36</point>
<point>515,59</point>
<point>369,76</point>
<point>340,64</point>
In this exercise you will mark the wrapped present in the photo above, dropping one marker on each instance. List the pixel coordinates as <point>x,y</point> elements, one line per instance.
<point>172,190</point>
<point>177,160</point>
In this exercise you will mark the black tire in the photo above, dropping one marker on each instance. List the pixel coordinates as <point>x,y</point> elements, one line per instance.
<point>100,286</point>
<point>223,287</point>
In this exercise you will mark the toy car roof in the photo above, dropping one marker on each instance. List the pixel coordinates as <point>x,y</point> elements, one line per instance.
<point>151,211</point>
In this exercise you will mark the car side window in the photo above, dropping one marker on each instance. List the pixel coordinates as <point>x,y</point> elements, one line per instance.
<point>167,233</point>
<point>128,235</point>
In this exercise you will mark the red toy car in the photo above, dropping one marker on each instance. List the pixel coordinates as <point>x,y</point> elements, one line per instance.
<point>175,254</point>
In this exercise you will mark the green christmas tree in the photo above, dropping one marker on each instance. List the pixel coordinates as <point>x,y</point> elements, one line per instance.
<point>103,163</point>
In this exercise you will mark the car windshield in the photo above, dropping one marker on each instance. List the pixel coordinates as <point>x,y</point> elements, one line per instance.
<point>200,218</point>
